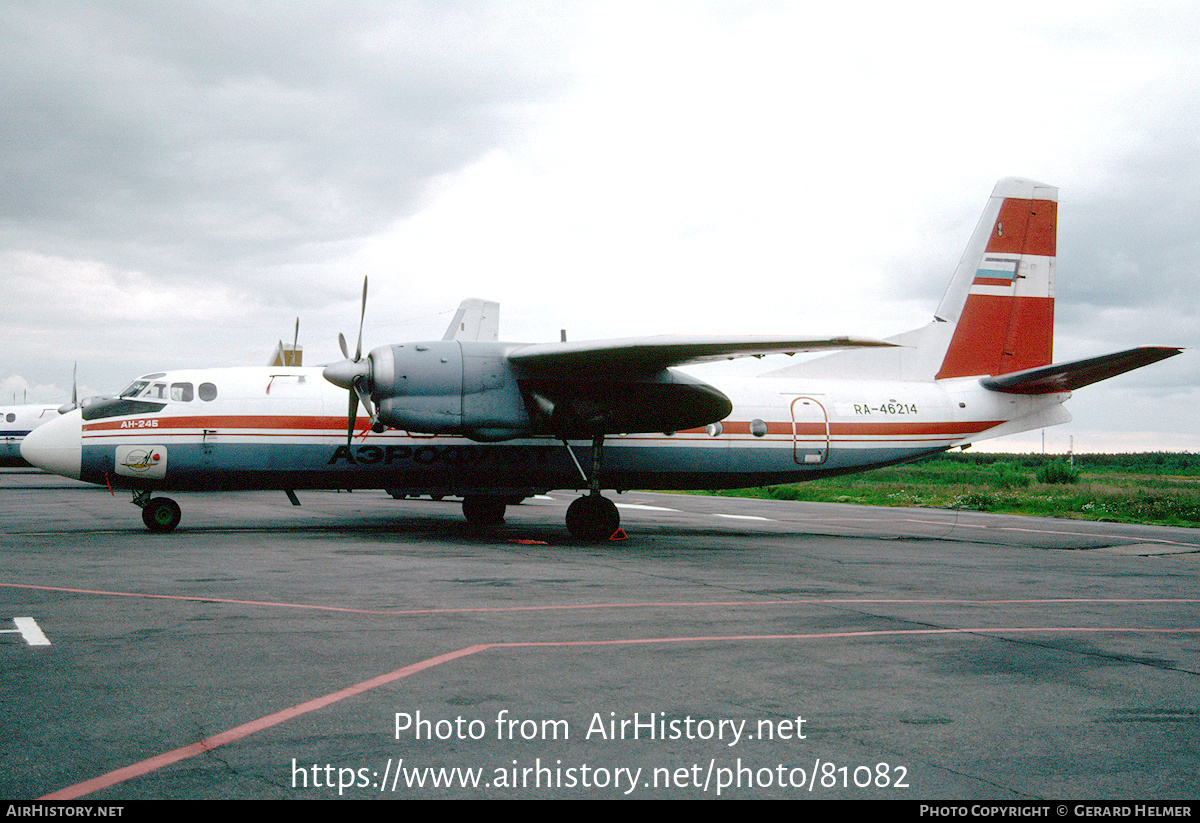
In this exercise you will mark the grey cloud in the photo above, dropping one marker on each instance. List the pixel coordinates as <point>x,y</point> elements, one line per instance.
<point>183,135</point>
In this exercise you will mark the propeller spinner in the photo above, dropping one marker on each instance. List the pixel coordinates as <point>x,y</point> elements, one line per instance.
<point>354,375</point>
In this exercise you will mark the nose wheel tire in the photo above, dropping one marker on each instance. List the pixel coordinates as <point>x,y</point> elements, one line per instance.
<point>593,518</point>
<point>161,514</point>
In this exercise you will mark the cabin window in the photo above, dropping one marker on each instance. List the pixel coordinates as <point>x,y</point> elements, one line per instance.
<point>757,427</point>
<point>10,417</point>
<point>181,392</point>
<point>208,391</point>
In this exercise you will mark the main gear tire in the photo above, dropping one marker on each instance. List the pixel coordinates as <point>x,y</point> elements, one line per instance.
<point>593,518</point>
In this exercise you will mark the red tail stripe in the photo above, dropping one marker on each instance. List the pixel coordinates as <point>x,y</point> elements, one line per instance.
<point>998,335</point>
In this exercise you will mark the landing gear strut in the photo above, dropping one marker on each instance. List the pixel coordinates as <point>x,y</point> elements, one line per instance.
<point>160,514</point>
<point>592,518</point>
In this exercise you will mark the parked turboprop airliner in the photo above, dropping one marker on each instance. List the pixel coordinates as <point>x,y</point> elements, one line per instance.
<point>495,422</point>
<point>15,423</point>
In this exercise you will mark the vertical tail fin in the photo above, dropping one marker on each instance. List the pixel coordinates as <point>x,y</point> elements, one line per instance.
<point>1001,299</point>
<point>475,320</point>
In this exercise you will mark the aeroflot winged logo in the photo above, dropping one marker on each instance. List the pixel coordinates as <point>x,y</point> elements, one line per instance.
<point>149,462</point>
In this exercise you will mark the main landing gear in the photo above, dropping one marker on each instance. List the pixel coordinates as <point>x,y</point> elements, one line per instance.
<point>592,518</point>
<point>483,510</point>
<point>160,514</point>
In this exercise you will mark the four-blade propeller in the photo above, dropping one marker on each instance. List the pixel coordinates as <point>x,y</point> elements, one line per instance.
<point>354,374</point>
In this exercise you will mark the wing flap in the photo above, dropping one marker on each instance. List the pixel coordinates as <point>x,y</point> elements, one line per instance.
<point>1063,377</point>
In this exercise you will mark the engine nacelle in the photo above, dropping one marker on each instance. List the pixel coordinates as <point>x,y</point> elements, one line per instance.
<point>470,388</point>
<point>449,387</point>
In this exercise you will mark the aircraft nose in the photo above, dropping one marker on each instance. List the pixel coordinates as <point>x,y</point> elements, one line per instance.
<point>57,446</point>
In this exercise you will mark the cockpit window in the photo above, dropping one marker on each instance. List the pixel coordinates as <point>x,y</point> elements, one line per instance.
<point>135,388</point>
<point>119,407</point>
<point>147,390</point>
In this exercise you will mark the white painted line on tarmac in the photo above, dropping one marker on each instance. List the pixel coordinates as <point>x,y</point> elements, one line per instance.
<point>29,630</point>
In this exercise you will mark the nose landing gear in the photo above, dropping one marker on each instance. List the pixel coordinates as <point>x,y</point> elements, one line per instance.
<point>160,514</point>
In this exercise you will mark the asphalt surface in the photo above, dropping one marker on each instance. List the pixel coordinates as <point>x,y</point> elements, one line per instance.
<point>360,647</point>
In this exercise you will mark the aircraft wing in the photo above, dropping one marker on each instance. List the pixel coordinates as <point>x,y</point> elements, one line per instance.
<point>1060,377</point>
<point>649,355</point>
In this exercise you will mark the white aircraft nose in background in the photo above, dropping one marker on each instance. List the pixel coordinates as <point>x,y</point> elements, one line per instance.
<point>57,446</point>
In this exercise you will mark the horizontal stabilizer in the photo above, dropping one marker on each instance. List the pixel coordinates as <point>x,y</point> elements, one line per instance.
<point>649,355</point>
<point>1062,377</point>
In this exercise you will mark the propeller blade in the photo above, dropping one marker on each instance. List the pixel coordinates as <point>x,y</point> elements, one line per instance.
<point>361,318</point>
<point>352,374</point>
<point>364,398</point>
<point>74,404</point>
<point>351,418</point>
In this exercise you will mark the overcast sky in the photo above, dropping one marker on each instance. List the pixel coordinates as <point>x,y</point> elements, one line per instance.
<point>180,180</point>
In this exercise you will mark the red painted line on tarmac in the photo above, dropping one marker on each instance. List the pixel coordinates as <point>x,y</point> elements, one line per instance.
<point>578,606</point>
<point>834,635</point>
<point>247,729</point>
<point>209,743</point>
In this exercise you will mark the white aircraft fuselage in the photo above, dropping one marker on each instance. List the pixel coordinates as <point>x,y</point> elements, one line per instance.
<point>494,422</point>
<point>275,428</point>
<point>15,423</point>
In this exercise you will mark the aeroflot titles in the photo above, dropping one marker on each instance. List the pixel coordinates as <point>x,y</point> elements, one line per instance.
<point>427,455</point>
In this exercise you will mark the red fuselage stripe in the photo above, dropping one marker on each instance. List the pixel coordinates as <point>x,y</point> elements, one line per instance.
<point>308,426</point>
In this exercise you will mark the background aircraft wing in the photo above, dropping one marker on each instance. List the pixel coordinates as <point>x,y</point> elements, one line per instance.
<point>649,355</point>
<point>1060,377</point>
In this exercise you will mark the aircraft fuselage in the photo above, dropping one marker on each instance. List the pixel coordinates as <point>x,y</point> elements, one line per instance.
<point>286,429</point>
<point>15,423</point>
